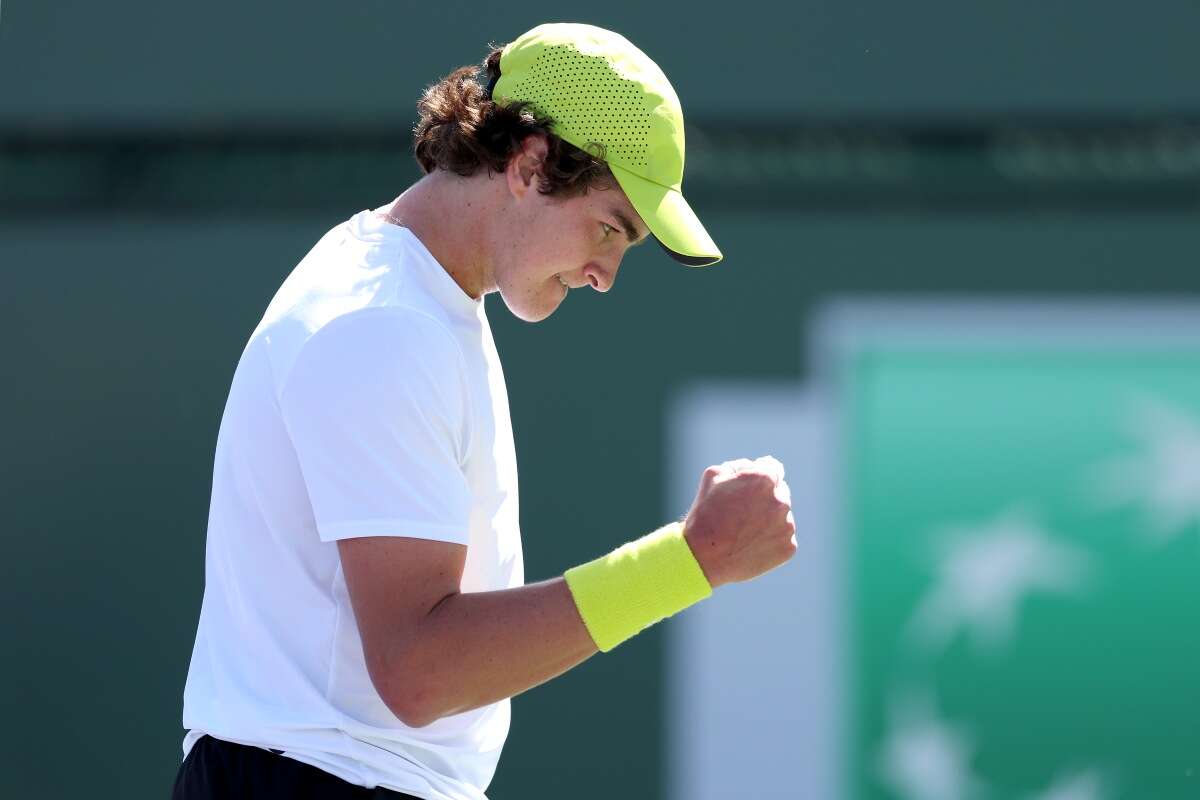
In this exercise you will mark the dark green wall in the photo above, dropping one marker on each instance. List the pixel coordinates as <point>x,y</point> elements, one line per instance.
<point>123,336</point>
<point>225,63</point>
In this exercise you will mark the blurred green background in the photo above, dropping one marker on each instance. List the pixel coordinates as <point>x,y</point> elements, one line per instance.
<point>163,166</point>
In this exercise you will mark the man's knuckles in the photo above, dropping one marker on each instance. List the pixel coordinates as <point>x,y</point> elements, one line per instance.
<point>757,480</point>
<point>790,546</point>
<point>771,466</point>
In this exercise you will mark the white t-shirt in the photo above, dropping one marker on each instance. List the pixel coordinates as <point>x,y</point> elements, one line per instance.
<point>368,402</point>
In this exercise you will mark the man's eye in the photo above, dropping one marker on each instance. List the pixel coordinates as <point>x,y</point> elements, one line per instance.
<point>607,228</point>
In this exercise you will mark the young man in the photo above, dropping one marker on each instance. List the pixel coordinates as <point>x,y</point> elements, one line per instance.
<point>365,619</point>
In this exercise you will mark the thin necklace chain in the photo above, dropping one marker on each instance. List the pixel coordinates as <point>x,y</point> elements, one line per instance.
<point>388,216</point>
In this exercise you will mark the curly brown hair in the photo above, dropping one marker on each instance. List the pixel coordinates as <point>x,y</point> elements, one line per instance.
<point>462,130</point>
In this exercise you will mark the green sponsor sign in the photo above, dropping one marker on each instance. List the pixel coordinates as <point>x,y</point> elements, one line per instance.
<point>1024,571</point>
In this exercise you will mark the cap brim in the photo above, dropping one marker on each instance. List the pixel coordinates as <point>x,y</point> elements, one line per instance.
<point>669,218</point>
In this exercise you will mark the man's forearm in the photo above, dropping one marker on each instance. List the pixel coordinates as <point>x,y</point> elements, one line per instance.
<point>477,648</point>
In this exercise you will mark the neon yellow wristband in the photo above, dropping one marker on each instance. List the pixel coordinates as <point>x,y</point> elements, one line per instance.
<point>636,585</point>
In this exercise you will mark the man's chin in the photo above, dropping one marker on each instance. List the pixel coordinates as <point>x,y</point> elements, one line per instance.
<point>535,311</point>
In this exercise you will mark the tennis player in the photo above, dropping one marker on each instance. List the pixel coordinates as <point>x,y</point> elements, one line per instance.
<point>365,617</point>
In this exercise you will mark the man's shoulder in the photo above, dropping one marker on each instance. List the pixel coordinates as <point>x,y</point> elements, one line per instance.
<point>378,359</point>
<point>386,330</point>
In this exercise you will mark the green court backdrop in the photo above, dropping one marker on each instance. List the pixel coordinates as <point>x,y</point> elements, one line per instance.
<point>1025,550</point>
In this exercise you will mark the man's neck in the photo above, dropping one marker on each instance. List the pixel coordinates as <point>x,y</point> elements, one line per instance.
<point>448,214</point>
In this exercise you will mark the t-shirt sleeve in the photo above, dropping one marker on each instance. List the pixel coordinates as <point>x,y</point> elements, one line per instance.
<point>376,406</point>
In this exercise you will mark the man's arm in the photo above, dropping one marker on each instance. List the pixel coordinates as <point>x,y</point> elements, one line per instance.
<point>431,650</point>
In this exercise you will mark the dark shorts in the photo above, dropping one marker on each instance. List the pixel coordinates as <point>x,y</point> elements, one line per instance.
<point>216,769</point>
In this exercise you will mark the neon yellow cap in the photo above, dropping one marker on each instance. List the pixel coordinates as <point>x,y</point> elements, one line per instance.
<point>597,88</point>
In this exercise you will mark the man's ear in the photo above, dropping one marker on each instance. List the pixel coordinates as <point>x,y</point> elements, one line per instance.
<point>525,165</point>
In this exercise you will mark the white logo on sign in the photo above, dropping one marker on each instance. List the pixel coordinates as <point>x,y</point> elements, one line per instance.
<point>1084,785</point>
<point>1163,477</point>
<point>984,571</point>
<point>925,757</point>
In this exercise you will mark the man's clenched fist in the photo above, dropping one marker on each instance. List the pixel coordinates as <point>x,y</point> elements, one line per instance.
<point>741,523</point>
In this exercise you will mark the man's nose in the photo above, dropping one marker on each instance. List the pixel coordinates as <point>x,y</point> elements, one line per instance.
<point>599,277</point>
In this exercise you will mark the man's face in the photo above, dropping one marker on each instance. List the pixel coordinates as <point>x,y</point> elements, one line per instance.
<point>557,244</point>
